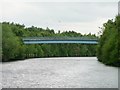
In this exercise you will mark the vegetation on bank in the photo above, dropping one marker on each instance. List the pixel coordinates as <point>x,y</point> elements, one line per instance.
<point>108,50</point>
<point>14,49</point>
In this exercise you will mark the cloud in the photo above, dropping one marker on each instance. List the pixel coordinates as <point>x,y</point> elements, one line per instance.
<point>61,1</point>
<point>81,27</point>
<point>81,17</point>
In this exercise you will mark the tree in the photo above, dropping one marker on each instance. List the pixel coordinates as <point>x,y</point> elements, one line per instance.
<point>108,46</point>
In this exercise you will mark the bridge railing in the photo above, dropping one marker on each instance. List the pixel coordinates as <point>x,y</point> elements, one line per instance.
<point>59,38</point>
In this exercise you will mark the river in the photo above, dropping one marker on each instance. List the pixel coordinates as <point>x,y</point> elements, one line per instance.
<point>63,72</point>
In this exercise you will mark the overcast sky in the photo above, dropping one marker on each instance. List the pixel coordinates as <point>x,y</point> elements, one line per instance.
<point>83,17</point>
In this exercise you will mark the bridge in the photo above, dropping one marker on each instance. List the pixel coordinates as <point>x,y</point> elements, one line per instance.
<point>52,40</point>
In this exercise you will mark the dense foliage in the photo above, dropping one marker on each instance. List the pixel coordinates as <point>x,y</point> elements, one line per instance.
<point>14,49</point>
<point>109,44</point>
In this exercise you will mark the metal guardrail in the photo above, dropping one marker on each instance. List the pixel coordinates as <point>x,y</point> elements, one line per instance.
<point>46,40</point>
<point>58,38</point>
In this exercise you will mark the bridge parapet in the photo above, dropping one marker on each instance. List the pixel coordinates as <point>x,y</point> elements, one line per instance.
<point>46,40</point>
<point>60,38</point>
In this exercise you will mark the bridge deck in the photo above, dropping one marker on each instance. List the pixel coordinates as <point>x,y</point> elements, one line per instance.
<point>41,40</point>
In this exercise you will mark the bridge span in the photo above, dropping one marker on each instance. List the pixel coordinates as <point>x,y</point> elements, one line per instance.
<point>52,40</point>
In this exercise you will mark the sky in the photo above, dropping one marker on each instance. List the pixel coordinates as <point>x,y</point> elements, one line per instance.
<point>83,16</point>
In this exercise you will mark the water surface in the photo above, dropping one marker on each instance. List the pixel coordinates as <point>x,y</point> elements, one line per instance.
<point>68,72</point>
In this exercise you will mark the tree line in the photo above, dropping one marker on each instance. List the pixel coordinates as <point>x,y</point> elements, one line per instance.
<point>14,49</point>
<point>108,50</point>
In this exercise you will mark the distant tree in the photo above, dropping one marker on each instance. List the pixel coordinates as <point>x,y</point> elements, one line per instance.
<point>14,49</point>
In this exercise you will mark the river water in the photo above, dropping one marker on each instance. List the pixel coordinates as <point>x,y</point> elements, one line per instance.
<point>63,72</point>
